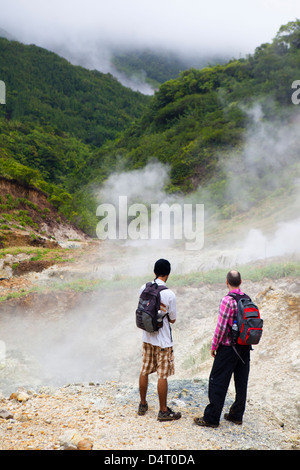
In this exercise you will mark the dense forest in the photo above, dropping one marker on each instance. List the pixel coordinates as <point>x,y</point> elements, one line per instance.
<point>45,89</point>
<point>64,128</point>
<point>56,115</point>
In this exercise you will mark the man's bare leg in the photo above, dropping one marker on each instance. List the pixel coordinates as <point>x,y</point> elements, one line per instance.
<point>162,389</point>
<point>143,385</point>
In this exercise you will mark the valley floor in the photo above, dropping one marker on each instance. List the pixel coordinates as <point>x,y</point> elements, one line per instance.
<point>61,323</point>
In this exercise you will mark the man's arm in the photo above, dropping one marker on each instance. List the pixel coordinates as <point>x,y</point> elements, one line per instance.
<point>172,310</point>
<point>163,308</point>
<point>221,328</point>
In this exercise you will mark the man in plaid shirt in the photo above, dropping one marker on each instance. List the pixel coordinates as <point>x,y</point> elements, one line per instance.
<point>227,362</point>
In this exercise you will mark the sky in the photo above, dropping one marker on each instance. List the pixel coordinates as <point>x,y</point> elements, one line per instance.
<point>234,27</point>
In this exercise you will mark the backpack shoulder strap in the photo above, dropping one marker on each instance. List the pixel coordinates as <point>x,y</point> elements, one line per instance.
<point>238,297</point>
<point>160,287</point>
<point>150,284</point>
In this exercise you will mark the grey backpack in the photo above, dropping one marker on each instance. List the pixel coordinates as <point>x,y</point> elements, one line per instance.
<point>147,312</point>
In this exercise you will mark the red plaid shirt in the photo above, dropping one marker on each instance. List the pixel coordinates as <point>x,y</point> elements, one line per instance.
<point>227,314</point>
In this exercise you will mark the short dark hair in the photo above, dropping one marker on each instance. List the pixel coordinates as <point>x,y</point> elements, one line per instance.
<point>162,267</point>
<point>234,278</point>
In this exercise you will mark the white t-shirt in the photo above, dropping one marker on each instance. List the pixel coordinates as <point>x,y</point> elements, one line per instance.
<point>163,337</point>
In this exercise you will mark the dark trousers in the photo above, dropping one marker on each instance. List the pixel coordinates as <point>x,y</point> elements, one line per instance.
<point>226,363</point>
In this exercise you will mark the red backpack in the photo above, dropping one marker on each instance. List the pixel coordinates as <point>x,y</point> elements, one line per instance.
<point>249,322</point>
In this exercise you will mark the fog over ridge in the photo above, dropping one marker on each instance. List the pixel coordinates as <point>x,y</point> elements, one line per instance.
<point>86,34</point>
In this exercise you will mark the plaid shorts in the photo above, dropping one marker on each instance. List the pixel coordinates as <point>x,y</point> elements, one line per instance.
<point>157,359</point>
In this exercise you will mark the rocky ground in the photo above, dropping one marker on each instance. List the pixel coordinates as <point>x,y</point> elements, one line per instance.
<point>103,417</point>
<point>68,378</point>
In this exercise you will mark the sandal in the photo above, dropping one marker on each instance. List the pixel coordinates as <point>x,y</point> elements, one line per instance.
<point>142,409</point>
<point>168,415</point>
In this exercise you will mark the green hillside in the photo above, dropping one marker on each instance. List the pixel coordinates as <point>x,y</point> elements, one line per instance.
<point>45,89</point>
<point>55,118</point>
<point>65,129</point>
<point>202,114</point>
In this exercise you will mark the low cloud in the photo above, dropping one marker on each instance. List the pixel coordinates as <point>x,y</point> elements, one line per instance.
<point>189,27</point>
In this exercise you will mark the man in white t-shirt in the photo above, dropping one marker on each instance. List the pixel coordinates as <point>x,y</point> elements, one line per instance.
<point>158,353</point>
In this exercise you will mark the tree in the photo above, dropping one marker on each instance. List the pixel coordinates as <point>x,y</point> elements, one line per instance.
<point>288,35</point>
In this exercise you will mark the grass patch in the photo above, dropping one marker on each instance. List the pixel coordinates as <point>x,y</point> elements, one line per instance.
<point>194,279</point>
<point>274,271</point>
<point>48,254</point>
<point>90,285</point>
<point>251,273</point>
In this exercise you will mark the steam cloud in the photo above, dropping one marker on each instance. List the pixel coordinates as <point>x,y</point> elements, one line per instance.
<point>144,185</point>
<point>81,344</point>
<point>267,164</point>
